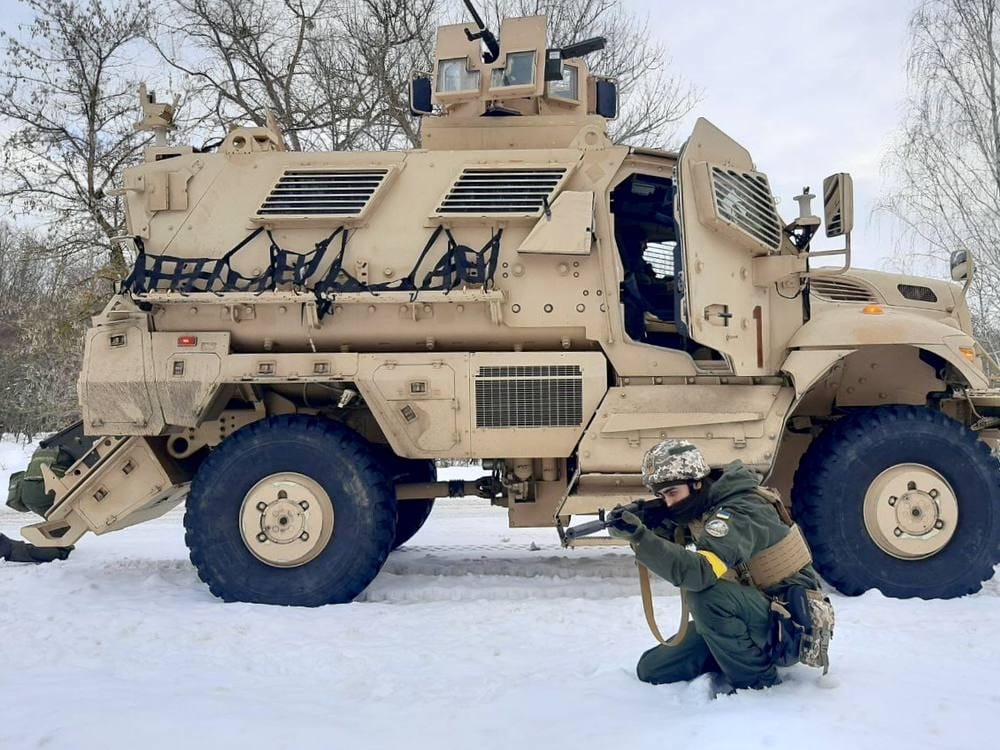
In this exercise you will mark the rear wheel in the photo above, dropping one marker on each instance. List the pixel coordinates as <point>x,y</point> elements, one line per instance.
<point>901,499</point>
<point>290,510</point>
<point>412,514</point>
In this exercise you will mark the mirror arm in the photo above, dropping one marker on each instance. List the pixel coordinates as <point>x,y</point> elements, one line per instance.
<point>846,252</point>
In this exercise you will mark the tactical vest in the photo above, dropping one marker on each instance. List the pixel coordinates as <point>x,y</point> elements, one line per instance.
<point>773,565</point>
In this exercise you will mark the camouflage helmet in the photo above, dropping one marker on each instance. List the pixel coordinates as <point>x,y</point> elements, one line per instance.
<point>673,462</point>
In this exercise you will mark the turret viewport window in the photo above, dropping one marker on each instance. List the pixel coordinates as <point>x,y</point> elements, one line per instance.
<point>519,71</point>
<point>454,75</point>
<point>568,87</point>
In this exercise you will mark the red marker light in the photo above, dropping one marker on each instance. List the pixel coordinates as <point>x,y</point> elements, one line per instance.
<point>187,341</point>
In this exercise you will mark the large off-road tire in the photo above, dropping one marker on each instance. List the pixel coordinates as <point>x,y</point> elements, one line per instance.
<point>412,514</point>
<point>290,510</point>
<point>901,499</point>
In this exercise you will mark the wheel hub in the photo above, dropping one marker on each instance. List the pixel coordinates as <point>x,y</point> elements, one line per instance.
<point>910,511</point>
<point>286,519</point>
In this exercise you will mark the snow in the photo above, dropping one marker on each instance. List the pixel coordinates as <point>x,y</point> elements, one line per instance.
<point>473,636</point>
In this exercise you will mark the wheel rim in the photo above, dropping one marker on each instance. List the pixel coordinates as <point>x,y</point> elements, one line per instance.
<point>911,511</point>
<point>286,520</point>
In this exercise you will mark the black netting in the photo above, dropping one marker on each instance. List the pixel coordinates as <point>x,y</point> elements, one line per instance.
<point>160,273</point>
<point>463,266</point>
<point>460,265</point>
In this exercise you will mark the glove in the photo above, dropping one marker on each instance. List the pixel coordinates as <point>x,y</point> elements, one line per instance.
<point>623,524</point>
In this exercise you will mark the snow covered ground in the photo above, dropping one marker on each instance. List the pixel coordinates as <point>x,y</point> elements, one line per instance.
<point>474,636</point>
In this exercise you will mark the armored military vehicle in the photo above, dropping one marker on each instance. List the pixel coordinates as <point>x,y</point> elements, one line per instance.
<point>304,334</point>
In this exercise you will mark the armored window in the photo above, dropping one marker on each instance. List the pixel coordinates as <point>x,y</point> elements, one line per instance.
<point>568,87</point>
<point>454,75</point>
<point>519,71</point>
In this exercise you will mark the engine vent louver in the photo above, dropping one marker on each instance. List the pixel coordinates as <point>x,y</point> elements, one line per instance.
<point>744,200</point>
<point>529,396</point>
<point>917,293</point>
<point>841,290</point>
<point>480,190</point>
<point>322,192</point>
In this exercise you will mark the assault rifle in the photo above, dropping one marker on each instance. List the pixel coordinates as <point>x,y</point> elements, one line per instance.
<point>639,507</point>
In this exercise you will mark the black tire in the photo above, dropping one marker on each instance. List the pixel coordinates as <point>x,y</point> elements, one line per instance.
<point>841,464</point>
<point>330,454</point>
<point>412,514</point>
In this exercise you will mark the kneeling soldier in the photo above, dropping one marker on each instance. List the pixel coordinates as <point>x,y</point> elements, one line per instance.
<point>727,583</point>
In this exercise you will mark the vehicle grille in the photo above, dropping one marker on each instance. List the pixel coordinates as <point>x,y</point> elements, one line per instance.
<point>323,192</point>
<point>841,290</point>
<point>501,191</point>
<point>744,200</point>
<point>917,293</point>
<point>529,396</point>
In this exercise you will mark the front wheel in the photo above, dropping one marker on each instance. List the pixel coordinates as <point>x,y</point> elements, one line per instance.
<point>290,510</point>
<point>901,499</point>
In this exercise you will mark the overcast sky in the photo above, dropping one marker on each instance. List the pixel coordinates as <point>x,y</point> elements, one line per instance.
<point>809,88</point>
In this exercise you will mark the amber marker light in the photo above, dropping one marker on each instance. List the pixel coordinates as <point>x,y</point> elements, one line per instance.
<point>873,310</point>
<point>968,352</point>
<point>187,341</point>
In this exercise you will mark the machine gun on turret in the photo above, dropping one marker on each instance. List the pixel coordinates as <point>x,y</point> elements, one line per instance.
<point>487,36</point>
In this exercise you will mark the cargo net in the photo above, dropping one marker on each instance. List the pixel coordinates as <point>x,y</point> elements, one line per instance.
<point>459,266</point>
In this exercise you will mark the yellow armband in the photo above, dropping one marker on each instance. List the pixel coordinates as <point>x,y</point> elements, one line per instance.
<point>718,567</point>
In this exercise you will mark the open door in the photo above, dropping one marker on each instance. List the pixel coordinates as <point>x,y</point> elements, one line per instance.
<point>727,217</point>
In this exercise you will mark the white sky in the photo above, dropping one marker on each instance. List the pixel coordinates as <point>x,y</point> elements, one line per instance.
<point>808,87</point>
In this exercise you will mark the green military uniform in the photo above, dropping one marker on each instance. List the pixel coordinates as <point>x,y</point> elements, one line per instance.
<point>732,622</point>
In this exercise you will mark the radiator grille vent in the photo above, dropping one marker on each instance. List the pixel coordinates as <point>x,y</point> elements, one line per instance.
<point>917,293</point>
<point>529,396</point>
<point>841,290</point>
<point>502,191</point>
<point>327,192</point>
<point>744,200</point>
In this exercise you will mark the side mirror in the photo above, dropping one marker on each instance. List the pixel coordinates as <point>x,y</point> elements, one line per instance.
<point>838,204</point>
<point>606,98</point>
<point>961,265</point>
<point>421,93</point>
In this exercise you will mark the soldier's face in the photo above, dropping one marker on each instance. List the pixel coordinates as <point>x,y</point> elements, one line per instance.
<point>677,493</point>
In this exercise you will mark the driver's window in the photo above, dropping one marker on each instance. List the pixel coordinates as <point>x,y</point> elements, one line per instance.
<point>646,237</point>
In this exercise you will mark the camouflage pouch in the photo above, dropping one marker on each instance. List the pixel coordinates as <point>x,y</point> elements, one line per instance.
<point>802,628</point>
<point>14,492</point>
<point>816,640</point>
<point>30,494</point>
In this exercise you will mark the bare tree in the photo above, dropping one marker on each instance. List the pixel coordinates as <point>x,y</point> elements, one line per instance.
<point>66,89</point>
<point>245,56</point>
<point>44,305</point>
<point>946,165</point>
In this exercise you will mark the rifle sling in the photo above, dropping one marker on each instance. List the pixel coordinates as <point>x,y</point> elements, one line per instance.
<point>647,607</point>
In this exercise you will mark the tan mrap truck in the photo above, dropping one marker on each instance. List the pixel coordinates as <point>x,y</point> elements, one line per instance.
<point>303,334</point>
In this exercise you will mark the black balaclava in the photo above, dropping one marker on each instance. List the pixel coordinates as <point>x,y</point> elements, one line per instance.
<point>693,506</point>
